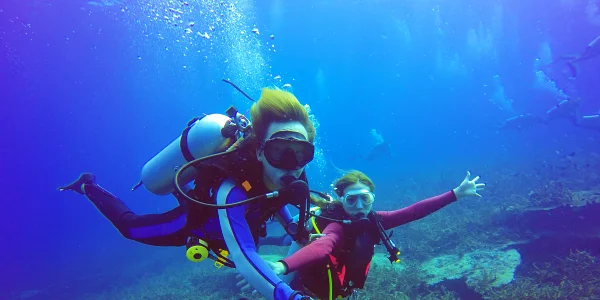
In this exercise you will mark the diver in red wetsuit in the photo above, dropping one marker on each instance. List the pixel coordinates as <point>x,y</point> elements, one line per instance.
<point>336,263</point>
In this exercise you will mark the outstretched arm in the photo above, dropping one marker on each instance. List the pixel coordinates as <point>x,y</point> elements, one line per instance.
<point>315,251</point>
<point>391,219</point>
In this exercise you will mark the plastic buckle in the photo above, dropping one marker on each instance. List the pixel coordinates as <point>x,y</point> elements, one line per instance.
<point>224,253</point>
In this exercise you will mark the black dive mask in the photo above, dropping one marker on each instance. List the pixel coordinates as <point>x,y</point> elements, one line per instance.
<point>288,154</point>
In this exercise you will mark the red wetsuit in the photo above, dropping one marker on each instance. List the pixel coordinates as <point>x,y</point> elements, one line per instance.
<point>333,232</point>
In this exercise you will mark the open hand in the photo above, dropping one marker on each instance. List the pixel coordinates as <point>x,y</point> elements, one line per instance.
<point>468,187</point>
<point>277,267</point>
<point>314,237</point>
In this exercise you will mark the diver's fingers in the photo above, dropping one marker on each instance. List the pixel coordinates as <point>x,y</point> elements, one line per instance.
<point>476,194</point>
<point>475,179</point>
<point>468,175</point>
<point>480,185</point>
<point>254,293</point>
<point>239,276</point>
<point>246,288</point>
<point>313,237</point>
<point>241,283</point>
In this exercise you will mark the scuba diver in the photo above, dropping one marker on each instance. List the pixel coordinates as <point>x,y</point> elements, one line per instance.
<point>567,108</point>
<point>520,122</point>
<point>380,151</point>
<point>592,50</point>
<point>244,173</point>
<point>570,108</point>
<point>337,261</point>
<point>590,122</point>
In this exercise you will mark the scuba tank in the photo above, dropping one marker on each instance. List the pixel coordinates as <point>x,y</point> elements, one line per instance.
<point>202,137</point>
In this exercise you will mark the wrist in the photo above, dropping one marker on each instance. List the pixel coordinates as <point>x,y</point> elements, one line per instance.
<point>456,193</point>
<point>283,266</point>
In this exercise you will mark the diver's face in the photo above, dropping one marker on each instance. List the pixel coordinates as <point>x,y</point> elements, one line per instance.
<point>358,198</point>
<point>293,131</point>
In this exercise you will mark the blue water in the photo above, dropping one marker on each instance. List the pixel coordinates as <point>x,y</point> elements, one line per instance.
<point>88,86</point>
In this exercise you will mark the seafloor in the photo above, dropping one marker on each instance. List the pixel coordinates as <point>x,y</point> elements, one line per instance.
<point>534,238</point>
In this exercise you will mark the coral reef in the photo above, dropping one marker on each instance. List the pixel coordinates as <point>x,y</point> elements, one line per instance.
<point>181,280</point>
<point>549,228</point>
<point>400,281</point>
<point>552,194</point>
<point>576,276</point>
<point>479,268</point>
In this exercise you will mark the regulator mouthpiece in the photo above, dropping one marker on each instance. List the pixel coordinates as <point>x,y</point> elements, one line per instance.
<point>288,179</point>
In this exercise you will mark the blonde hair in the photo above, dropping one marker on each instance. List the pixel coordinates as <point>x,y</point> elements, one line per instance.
<point>276,105</point>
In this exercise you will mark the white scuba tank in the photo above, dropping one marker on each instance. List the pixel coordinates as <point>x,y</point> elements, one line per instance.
<point>203,138</point>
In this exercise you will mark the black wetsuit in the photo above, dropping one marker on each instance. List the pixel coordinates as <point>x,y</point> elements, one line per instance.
<point>235,229</point>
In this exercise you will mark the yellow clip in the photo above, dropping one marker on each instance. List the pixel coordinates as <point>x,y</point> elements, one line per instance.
<point>218,262</point>
<point>398,260</point>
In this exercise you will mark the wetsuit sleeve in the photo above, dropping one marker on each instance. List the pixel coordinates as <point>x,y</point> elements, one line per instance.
<point>165,229</point>
<point>240,244</point>
<point>317,250</point>
<point>423,208</point>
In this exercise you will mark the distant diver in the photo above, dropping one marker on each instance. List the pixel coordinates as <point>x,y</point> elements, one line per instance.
<point>590,122</point>
<point>571,109</point>
<point>379,151</point>
<point>520,122</point>
<point>568,109</point>
<point>592,50</point>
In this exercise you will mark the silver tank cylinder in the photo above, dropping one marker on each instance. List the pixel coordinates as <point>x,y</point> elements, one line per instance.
<point>204,138</point>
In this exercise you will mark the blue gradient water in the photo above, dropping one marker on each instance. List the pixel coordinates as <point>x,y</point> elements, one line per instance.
<point>87,86</point>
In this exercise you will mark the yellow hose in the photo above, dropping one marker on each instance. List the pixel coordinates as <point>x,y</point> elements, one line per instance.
<point>330,284</point>
<point>314,224</point>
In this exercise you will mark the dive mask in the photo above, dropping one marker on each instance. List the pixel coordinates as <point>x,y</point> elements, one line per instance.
<point>352,197</point>
<point>288,153</point>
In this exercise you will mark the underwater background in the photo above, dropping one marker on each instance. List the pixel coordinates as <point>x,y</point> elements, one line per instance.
<point>102,86</point>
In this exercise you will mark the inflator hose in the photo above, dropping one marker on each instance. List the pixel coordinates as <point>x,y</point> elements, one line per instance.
<point>239,90</point>
<point>199,160</point>
<point>290,190</point>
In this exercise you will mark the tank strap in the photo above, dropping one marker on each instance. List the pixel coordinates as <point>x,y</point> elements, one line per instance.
<point>183,141</point>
